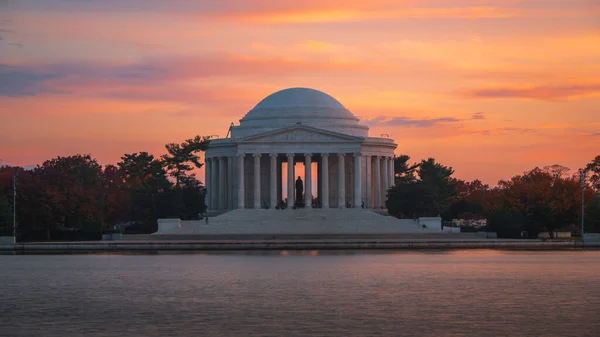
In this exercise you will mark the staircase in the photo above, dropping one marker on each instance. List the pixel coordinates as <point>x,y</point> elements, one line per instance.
<point>299,221</point>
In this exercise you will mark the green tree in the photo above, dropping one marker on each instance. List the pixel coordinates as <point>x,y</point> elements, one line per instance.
<point>192,196</point>
<point>436,179</point>
<point>147,182</point>
<point>403,171</point>
<point>6,216</point>
<point>180,157</point>
<point>427,196</point>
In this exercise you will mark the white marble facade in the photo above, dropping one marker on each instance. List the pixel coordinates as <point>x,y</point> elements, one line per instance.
<point>298,125</point>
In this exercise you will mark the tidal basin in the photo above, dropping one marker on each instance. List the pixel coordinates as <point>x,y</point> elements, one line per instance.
<point>301,293</point>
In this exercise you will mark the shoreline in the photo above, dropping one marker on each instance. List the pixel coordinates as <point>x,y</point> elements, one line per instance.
<point>233,245</point>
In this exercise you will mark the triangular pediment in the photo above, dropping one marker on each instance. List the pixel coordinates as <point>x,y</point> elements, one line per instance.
<point>300,134</point>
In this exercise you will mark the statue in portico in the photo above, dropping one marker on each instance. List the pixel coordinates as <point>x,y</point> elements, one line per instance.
<point>299,191</point>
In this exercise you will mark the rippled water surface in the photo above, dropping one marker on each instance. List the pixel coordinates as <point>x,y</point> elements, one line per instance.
<point>464,293</point>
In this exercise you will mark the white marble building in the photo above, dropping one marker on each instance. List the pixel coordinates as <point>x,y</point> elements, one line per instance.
<point>298,125</point>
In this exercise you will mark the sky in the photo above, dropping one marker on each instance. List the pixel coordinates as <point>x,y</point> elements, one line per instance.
<point>491,88</point>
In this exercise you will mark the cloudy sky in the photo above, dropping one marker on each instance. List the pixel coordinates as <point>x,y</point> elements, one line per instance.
<point>489,87</point>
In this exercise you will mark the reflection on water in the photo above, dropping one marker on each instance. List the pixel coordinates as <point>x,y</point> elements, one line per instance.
<point>292,293</point>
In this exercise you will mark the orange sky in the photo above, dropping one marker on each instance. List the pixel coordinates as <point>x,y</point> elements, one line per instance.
<point>491,88</point>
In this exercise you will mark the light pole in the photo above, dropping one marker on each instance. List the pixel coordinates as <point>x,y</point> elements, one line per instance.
<point>582,179</point>
<point>15,175</point>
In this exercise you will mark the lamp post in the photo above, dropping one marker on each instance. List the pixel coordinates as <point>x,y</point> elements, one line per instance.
<point>582,180</point>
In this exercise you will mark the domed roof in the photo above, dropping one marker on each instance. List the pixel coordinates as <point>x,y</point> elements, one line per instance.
<point>299,103</point>
<point>299,106</point>
<point>298,97</point>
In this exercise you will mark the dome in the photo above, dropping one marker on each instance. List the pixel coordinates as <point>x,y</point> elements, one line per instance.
<point>300,106</point>
<point>298,97</point>
<point>298,103</point>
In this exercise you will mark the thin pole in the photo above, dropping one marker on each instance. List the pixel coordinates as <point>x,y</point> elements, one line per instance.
<point>15,207</point>
<point>582,177</point>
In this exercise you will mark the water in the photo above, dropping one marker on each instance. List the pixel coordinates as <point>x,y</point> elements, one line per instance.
<point>454,293</point>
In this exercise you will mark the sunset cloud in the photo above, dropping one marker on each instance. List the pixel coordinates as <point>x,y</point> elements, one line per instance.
<point>454,79</point>
<point>547,93</point>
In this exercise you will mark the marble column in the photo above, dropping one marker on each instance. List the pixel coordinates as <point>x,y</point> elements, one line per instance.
<point>341,180</point>
<point>241,173</point>
<point>273,179</point>
<point>325,180</point>
<point>230,182</point>
<point>308,180</point>
<point>222,182</point>
<point>377,183</point>
<point>207,183</point>
<point>256,180</point>
<point>213,181</point>
<point>369,202</point>
<point>357,190</point>
<point>290,184</point>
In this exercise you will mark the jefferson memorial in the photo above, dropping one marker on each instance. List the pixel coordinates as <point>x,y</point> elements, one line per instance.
<point>306,126</point>
<point>340,184</point>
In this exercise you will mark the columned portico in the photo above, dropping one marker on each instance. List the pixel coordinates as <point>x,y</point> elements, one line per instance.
<point>297,126</point>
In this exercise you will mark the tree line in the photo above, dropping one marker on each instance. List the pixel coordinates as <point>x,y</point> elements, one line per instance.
<point>542,199</point>
<point>74,197</point>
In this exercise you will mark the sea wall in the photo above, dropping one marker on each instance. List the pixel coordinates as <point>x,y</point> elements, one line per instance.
<point>116,246</point>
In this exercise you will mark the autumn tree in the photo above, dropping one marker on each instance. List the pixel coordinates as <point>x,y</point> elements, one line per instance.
<point>545,199</point>
<point>73,188</point>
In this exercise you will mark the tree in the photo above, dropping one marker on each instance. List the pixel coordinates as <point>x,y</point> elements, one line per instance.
<point>403,171</point>
<point>543,198</point>
<point>436,179</point>
<point>427,196</point>
<point>411,200</point>
<point>147,183</point>
<point>192,196</point>
<point>117,197</point>
<point>73,188</point>
<point>593,168</point>
<point>6,216</point>
<point>179,157</point>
